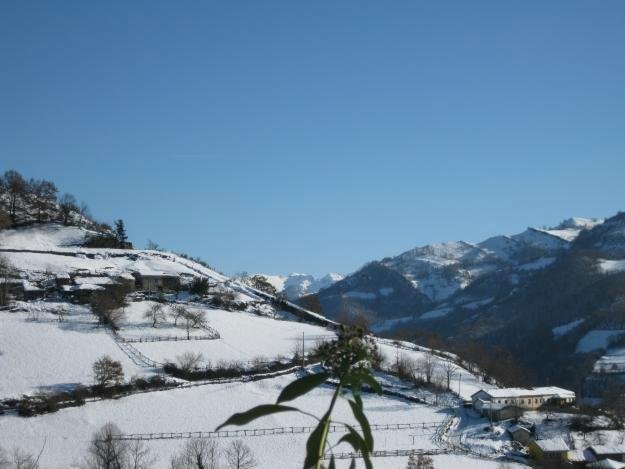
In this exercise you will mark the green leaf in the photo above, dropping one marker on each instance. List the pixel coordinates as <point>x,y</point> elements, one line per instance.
<point>254,413</point>
<point>358,443</point>
<point>368,379</point>
<point>302,386</point>
<point>313,444</point>
<point>362,420</point>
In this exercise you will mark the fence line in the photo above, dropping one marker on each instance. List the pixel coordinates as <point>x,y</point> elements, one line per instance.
<point>154,338</point>
<point>269,431</point>
<point>388,453</point>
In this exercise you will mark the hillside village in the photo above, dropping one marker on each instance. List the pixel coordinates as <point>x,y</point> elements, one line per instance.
<point>162,347</point>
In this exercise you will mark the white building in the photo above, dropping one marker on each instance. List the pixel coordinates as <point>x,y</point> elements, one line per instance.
<point>531,398</point>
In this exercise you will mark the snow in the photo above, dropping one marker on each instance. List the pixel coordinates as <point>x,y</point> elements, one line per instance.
<point>613,361</point>
<point>202,408</point>
<point>243,337</point>
<point>390,323</point>
<point>611,267</point>
<point>296,285</point>
<point>45,354</point>
<point>564,329</point>
<point>43,237</point>
<point>93,280</point>
<point>361,295</point>
<point>477,304</point>
<point>597,339</point>
<point>552,445</point>
<point>468,383</point>
<point>524,392</point>
<point>436,313</point>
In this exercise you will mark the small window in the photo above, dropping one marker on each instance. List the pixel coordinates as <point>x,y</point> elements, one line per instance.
<point>506,401</point>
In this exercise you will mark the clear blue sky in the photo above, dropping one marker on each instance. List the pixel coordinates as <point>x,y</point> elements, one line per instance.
<point>315,136</point>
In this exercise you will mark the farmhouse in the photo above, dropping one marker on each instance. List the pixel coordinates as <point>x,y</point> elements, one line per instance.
<point>550,453</point>
<point>520,433</point>
<point>153,281</point>
<point>490,400</point>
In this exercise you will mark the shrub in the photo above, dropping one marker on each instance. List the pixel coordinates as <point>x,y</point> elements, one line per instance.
<point>199,286</point>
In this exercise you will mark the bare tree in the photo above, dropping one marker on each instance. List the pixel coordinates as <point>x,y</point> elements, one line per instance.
<point>188,361</point>
<point>239,456</point>
<point>193,319</point>
<point>197,453</point>
<point>61,313</point>
<point>176,312</point>
<point>106,452</point>
<point>43,195</point>
<point>107,371</point>
<point>67,205</point>
<point>139,456</point>
<point>83,211</point>
<point>449,370</point>
<point>15,186</point>
<point>6,273</point>
<point>5,219</point>
<point>19,459</point>
<point>428,366</point>
<point>155,314</point>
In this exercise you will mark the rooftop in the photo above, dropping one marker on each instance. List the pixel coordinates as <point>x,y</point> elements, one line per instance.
<point>552,445</point>
<point>529,392</point>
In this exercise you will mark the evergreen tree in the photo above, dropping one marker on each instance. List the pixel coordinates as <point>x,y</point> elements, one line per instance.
<point>120,233</point>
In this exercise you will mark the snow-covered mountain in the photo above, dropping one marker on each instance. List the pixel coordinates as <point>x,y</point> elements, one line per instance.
<point>295,285</point>
<point>439,271</point>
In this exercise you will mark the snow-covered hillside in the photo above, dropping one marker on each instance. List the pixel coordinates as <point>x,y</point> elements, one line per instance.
<point>48,345</point>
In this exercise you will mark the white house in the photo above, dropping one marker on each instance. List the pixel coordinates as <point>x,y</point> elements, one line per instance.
<point>531,398</point>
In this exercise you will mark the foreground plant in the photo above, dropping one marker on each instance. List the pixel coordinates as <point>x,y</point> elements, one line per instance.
<point>347,360</point>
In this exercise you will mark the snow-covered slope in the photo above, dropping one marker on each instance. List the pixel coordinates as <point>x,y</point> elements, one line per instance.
<point>44,351</point>
<point>44,237</point>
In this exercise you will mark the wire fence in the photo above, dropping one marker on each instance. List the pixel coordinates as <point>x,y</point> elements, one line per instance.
<point>388,453</point>
<point>155,338</point>
<point>271,431</point>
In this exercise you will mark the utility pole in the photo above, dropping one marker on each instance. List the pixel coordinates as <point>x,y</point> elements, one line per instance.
<point>303,351</point>
<point>459,379</point>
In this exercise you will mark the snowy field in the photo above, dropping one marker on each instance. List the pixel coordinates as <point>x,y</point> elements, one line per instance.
<point>45,354</point>
<point>67,432</point>
<point>243,337</point>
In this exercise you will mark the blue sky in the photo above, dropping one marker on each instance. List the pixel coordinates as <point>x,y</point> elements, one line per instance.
<point>315,136</point>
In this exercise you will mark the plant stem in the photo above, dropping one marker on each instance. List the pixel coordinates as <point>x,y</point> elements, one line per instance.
<point>326,427</point>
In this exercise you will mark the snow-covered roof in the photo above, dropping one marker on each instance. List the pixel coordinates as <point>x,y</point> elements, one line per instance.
<point>126,276</point>
<point>28,286</point>
<point>552,445</point>
<point>156,273</point>
<point>93,280</point>
<point>516,428</point>
<point>606,464</point>
<point>82,287</point>
<point>608,449</point>
<point>511,393</point>
<point>580,455</point>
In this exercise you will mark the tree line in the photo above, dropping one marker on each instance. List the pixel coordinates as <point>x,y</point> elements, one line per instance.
<point>31,200</point>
